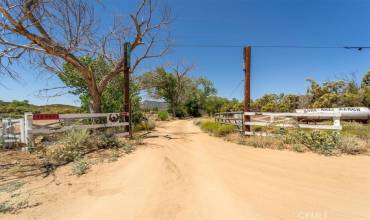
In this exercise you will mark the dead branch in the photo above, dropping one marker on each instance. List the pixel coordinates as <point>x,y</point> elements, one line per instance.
<point>49,33</point>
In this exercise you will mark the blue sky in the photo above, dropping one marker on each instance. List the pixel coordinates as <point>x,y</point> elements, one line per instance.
<point>247,22</point>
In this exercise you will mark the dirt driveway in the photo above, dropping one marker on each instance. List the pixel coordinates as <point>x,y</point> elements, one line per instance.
<point>190,175</point>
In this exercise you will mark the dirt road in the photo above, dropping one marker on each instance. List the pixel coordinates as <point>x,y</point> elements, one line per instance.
<point>194,176</point>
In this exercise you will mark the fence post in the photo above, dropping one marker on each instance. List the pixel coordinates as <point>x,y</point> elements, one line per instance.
<point>336,120</point>
<point>3,134</point>
<point>27,126</point>
<point>22,130</point>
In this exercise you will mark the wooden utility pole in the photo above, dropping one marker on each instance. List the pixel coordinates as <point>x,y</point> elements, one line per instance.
<point>126,86</point>
<point>247,86</point>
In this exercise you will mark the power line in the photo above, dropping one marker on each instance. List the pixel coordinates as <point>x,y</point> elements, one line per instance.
<point>270,46</point>
<point>235,88</point>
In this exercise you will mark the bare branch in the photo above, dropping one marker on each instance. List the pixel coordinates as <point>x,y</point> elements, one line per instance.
<point>49,33</point>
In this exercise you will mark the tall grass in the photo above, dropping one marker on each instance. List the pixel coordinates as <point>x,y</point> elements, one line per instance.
<point>354,129</point>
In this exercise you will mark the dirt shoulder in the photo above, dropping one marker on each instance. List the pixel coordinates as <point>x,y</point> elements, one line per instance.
<point>183,173</point>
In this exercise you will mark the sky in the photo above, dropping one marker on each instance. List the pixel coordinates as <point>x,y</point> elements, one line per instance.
<point>322,23</point>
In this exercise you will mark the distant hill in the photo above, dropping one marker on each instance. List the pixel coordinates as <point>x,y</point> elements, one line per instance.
<point>149,104</point>
<point>18,108</point>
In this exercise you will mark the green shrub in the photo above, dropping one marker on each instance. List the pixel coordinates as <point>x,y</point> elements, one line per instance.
<point>128,148</point>
<point>145,125</point>
<point>163,115</point>
<point>106,139</point>
<point>216,128</point>
<point>80,167</point>
<point>180,112</point>
<point>300,148</point>
<point>324,142</point>
<point>72,146</point>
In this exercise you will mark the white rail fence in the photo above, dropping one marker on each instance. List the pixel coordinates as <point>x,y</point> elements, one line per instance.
<point>292,120</point>
<point>283,120</point>
<point>22,130</point>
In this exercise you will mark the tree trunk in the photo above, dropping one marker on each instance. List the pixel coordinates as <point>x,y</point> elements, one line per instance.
<point>173,110</point>
<point>95,101</point>
<point>95,105</point>
<point>95,95</point>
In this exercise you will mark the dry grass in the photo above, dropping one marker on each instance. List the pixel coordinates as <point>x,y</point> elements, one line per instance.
<point>322,142</point>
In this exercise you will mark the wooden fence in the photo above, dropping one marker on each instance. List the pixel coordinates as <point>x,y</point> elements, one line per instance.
<point>234,118</point>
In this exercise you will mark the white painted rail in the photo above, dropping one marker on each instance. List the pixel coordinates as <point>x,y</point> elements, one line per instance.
<point>22,130</point>
<point>290,120</point>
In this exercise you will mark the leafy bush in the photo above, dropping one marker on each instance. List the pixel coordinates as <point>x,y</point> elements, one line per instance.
<point>324,142</point>
<point>163,115</point>
<point>128,148</point>
<point>106,139</point>
<point>80,167</point>
<point>180,112</point>
<point>71,147</point>
<point>300,148</point>
<point>216,128</point>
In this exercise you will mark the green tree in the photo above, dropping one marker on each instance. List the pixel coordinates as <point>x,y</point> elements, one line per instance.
<point>112,96</point>
<point>196,103</point>
<point>288,103</point>
<point>233,105</point>
<point>366,80</point>
<point>184,95</point>
<point>338,93</point>
<point>161,84</point>
<point>214,104</point>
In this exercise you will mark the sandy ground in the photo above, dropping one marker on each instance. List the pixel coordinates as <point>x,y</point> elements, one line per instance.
<point>196,176</point>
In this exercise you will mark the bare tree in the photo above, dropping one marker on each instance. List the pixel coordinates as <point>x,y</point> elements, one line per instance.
<point>51,32</point>
<point>181,71</point>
